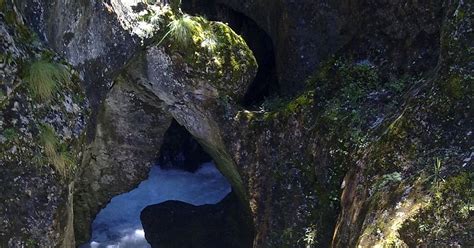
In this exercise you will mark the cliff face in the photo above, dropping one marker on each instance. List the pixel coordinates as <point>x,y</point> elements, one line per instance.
<point>421,163</point>
<point>43,116</point>
<point>368,145</point>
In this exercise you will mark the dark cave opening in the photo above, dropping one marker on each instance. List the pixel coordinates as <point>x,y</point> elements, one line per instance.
<point>181,224</point>
<point>181,151</point>
<point>184,202</point>
<point>265,84</point>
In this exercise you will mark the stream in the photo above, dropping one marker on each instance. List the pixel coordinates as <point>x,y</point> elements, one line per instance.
<point>118,224</point>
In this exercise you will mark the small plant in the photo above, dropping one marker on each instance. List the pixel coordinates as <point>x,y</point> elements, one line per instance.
<point>44,78</point>
<point>437,170</point>
<point>182,30</point>
<point>49,140</point>
<point>387,179</point>
<point>310,236</point>
<point>59,158</point>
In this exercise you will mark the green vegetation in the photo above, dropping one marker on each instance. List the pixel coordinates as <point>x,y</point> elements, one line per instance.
<point>44,78</point>
<point>183,29</point>
<point>212,49</point>
<point>310,236</point>
<point>445,219</point>
<point>48,139</point>
<point>10,134</point>
<point>175,5</point>
<point>387,179</point>
<point>453,87</point>
<point>56,154</point>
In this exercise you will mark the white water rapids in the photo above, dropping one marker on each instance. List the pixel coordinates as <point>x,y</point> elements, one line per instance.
<point>118,224</point>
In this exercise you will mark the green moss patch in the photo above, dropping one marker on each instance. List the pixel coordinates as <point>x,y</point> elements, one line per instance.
<point>212,50</point>
<point>447,219</point>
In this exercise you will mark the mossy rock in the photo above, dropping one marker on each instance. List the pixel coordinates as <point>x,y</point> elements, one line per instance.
<point>447,219</point>
<point>213,52</point>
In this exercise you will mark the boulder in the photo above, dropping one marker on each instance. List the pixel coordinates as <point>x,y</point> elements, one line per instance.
<point>175,224</point>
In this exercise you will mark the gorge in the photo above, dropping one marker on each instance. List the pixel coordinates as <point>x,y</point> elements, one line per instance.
<point>328,123</point>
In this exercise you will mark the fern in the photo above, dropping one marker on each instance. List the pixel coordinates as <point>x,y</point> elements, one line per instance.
<point>44,78</point>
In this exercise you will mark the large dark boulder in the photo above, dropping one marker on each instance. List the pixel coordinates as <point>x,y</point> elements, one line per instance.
<point>175,224</point>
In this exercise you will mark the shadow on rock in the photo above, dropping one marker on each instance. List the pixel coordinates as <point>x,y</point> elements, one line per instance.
<point>175,224</point>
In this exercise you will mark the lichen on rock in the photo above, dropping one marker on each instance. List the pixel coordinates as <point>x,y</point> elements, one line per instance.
<point>33,182</point>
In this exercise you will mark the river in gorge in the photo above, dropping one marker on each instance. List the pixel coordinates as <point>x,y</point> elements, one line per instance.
<point>118,224</point>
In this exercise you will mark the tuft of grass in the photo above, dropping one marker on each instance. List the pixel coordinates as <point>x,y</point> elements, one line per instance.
<point>59,158</point>
<point>44,78</point>
<point>182,30</point>
<point>63,163</point>
<point>49,140</point>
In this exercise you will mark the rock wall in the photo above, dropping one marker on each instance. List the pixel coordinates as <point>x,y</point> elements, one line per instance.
<point>372,141</point>
<point>41,133</point>
<point>96,37</point>
<point>427,142</point>
<point>166,223</point>
<point>304,33</point>
<point>128,136</point>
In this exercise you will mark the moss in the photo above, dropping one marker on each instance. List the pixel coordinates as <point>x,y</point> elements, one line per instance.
<point>387,179</point>
<point>10,17</point>
<point>447,219</point>
<point>10,134</point>
<point>284,107</point>
<point>393,147</point>
<point>212,49</point>
<point>453,86</point>
<point>30,243</point>
<point>23,33</point>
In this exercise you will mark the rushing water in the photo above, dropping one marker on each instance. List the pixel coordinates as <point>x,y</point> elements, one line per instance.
<point>118,224</point>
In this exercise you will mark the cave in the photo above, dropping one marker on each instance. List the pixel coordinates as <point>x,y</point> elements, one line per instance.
<point>184,194</point>
<point>181,151</point>
<point>265,84</point>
